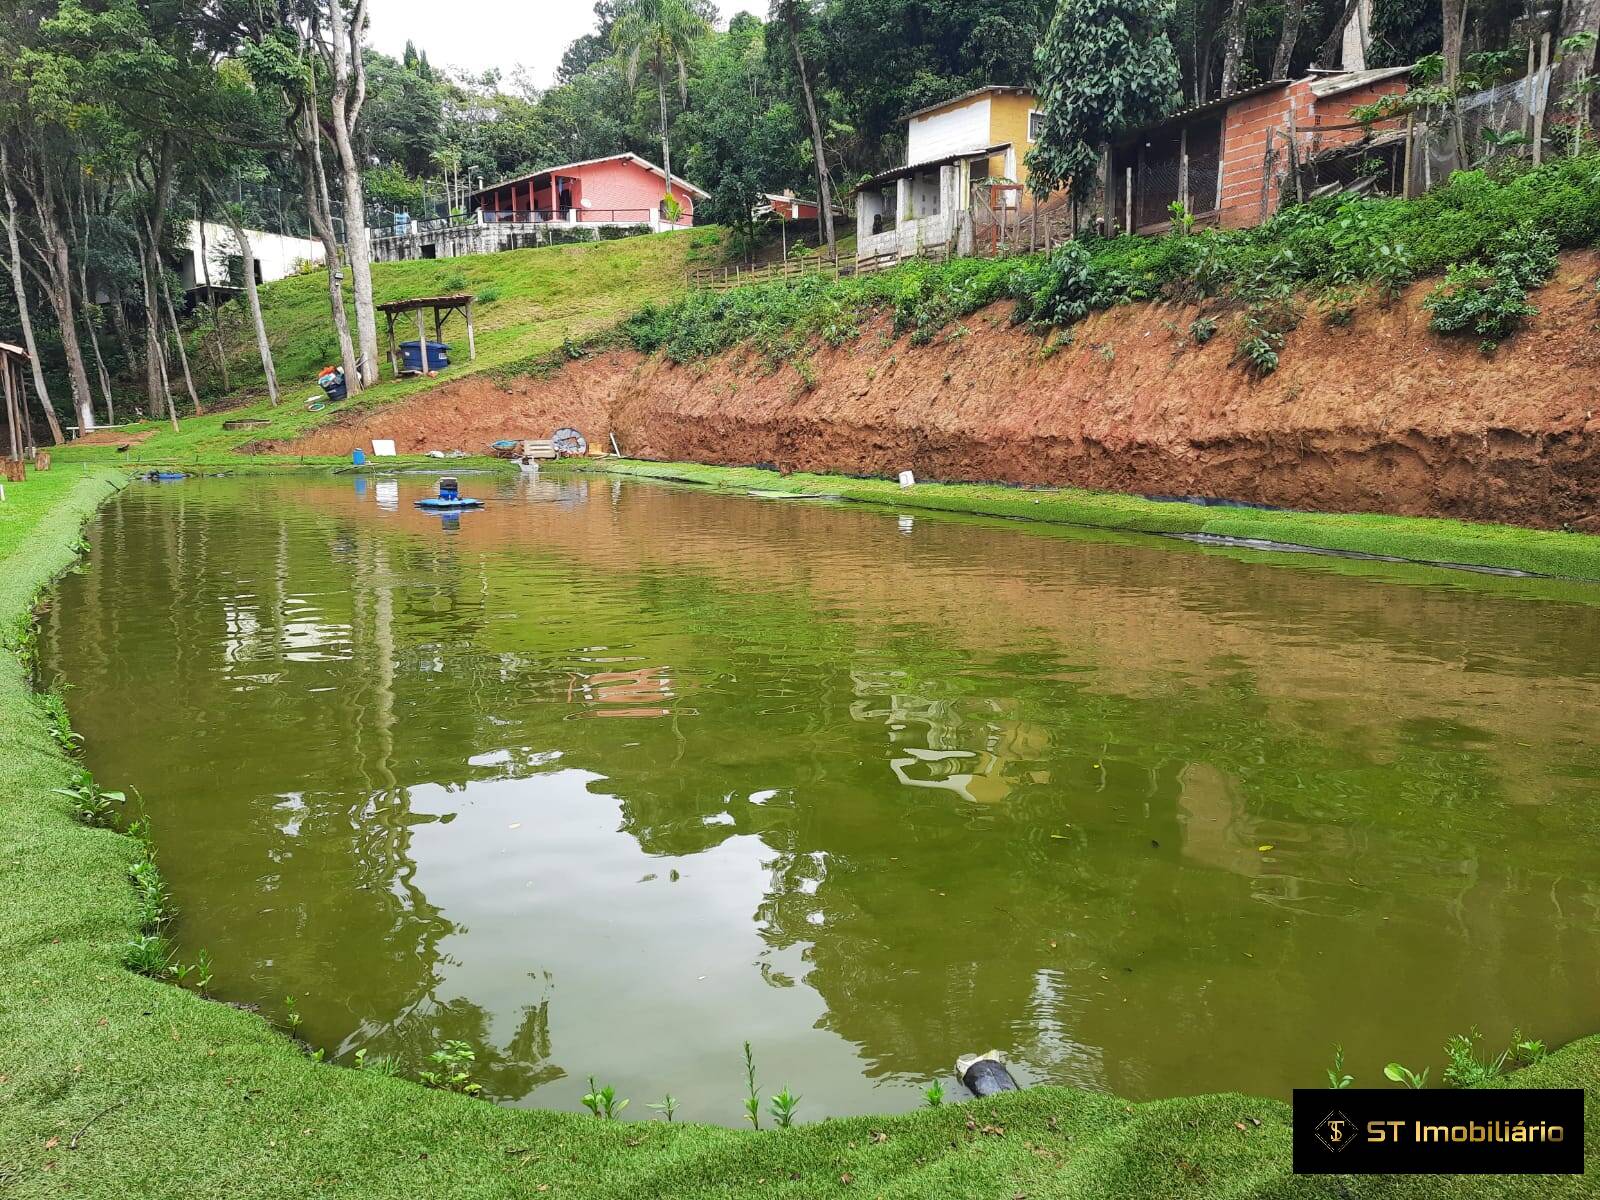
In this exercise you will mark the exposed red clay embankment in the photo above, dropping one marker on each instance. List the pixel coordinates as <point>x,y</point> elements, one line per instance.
<point>1380,415</point>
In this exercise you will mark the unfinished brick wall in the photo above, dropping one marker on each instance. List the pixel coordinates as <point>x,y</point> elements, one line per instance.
<point>1244,141</point>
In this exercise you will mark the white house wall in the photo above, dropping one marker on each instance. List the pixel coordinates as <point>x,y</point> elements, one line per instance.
<point>949,132</point>
<point>278,255</point>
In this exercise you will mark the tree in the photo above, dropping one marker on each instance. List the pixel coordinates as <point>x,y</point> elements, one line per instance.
<point>14,261</point>
<point>659,35</point>
<point>791,13</point>
<point>742,141</point>
<point>1106,67</point>
<point>348,94</point>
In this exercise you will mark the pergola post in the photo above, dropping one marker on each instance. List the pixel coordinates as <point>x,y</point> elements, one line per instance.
<point>472,341</point>
<point>394,352</point>
<point>422,341</point>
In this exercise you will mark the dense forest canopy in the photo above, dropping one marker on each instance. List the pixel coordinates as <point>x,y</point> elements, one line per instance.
<point>126,120</point>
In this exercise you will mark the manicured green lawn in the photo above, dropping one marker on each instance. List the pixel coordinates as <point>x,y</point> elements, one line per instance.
<point>1568,555</point>
<point>113,1085</point>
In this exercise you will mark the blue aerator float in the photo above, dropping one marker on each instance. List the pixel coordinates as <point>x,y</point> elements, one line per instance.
<point>449,498</point>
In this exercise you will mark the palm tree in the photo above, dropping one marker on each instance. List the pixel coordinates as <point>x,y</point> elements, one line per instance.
<point>659,35</point>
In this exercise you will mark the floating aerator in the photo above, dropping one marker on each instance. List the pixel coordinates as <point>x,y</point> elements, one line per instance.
<point>449,498</point>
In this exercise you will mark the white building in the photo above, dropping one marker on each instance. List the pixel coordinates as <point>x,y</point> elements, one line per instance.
<point>275,256</point>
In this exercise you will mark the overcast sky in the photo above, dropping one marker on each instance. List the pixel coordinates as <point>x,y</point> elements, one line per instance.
<point>499,33</point>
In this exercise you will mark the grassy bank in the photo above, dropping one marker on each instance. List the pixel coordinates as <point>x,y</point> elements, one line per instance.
<point>1418,539</point>
<point>114,1085</point>
<point>529,303</point>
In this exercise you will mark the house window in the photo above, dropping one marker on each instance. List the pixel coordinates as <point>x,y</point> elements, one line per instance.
<point>1035,125</point>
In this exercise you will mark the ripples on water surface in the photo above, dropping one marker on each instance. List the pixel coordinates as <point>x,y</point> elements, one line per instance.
<point>610,777</point>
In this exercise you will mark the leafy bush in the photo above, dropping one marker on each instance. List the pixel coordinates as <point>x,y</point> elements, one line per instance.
<point>1479,300</point>
<point>1496,234</point>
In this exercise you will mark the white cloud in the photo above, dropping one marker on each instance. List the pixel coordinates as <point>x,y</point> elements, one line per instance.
<point>503,34</point>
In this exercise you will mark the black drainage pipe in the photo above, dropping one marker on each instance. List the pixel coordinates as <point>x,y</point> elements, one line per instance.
<point>985,1074</point>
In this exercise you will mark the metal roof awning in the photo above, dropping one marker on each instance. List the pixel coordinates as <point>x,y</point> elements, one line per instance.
<point>926,164</point>
<point>1221,103</point>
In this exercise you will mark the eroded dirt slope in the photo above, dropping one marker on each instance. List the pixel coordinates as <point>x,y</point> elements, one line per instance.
<point>1378,415</point>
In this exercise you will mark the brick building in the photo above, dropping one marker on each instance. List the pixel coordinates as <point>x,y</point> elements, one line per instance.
<point>1231,161</point>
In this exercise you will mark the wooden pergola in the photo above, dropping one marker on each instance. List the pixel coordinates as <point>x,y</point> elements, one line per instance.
<point>444,307</point>
<point>12,359</point>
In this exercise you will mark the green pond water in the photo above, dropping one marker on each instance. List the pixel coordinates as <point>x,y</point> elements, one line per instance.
<point>611,777</point>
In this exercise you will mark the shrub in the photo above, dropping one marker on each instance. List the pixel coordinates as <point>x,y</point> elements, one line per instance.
<point>1479,300</point>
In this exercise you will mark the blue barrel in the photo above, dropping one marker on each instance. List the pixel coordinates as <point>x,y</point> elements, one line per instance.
<point>358,457</point>
<point>438,355</point>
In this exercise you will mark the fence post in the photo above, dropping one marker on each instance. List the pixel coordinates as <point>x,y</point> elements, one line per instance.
<point>1544,101</point>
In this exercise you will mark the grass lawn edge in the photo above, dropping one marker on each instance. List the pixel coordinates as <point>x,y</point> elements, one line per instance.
<point>112,1084</point>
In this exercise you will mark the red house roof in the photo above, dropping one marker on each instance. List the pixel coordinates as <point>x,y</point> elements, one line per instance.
<point>566,168</point>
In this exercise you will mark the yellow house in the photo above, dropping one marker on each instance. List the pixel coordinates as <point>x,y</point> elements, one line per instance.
<point>981,137</point>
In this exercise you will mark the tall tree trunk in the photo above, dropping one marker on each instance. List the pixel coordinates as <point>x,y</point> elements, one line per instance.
<point>1454,14</point>
<point>24,316</point>
<point>216,309</point>
<point>319,211</point>
<point>253,296</point>
<point>348,97</point>
<point>1233,47</point>
<point>666,140</point>
<point>162,403</point>
<point>818,152</point>
<point>177,336</point>
<point>1294,12</point>
<point>155,386</point>
<point>1331,53</point>
<point>1577,16</point>
<point>87,307</point>
<point>58,265</point>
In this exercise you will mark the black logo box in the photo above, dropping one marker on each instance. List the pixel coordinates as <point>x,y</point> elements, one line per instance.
<point>1399,1131</point>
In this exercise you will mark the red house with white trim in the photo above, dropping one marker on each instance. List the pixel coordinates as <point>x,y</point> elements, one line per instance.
<point>622,189</point>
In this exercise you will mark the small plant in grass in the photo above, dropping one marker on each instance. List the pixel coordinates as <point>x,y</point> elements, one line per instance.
<point>784,1106</point>
<point>203,974</point>
<point>489,295</point>
<point>668,1108</point>
<point>291,1015</point>
<point>752,1099</point>
<point>1465,1069</point>
<point>381,1064</point>
<point>452,1069</point>
<point>933,1095</point>
<point>54,708</point>
<point>1337,1078</point>
<point>150,888</point>
<point>1396,1073</point>
<point>1202,330</point>
<point>148,954</point>
<point>603,1102</point>
<point>455,281</point>
<point>1526,1051</point>
<point>93,806</point>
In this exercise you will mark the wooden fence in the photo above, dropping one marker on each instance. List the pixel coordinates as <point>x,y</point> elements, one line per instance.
<point>720,279</point>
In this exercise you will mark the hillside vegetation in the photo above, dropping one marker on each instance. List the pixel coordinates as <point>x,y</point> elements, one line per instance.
<point>529,303</point>
<point>1492,237</point>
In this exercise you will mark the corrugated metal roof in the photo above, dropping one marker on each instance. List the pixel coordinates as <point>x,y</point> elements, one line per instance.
<point>942,160</point>
<point>987,89</point>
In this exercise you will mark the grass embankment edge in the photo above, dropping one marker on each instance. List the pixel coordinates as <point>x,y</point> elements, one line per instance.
<point>112,1084</point>
<point>1427,540</point>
